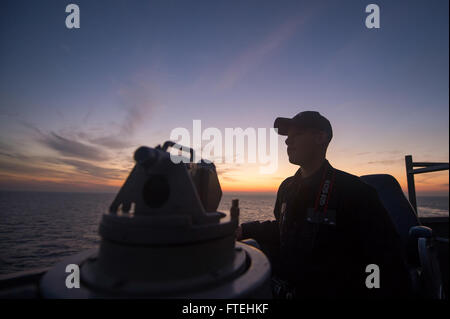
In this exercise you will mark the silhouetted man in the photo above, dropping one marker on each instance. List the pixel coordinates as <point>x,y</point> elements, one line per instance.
<point>329,225</point>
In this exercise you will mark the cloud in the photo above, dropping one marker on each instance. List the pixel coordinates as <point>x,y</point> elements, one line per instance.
<point>226,168</point>
<point>84,156</point>
<point>23,171</point>
<point>15,163</point>
<point>138,104</point>
<point>30,168</point>
<point>387,161</point>
<point>227,178</point>
<point>11,183</point>
<point>113,141</point>
<point>432,178</point>
<point>74,154</point>
<point>72,148</point>
<point>394,152</point>
<point>254,55</point>
<point>94,170</point>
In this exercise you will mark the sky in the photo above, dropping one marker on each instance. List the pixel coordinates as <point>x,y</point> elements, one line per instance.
<point>76,103</point>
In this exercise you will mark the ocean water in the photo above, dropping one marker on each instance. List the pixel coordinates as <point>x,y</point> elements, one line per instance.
<point>38,229</point>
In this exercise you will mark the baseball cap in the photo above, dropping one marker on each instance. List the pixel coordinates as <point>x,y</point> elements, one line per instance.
<point>303,120</point>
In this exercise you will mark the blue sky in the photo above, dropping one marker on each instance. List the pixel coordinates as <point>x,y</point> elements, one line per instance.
<point>75,103</point>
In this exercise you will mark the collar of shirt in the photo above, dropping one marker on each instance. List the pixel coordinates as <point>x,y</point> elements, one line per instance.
<point>314,178</point>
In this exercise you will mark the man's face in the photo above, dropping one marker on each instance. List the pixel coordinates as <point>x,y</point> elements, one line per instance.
<point>303,144</point>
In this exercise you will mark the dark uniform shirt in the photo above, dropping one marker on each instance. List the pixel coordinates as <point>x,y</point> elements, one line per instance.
<point>325,253</point>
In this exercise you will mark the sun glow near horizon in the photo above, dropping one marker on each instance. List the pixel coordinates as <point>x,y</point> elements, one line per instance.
<point>236,178</point>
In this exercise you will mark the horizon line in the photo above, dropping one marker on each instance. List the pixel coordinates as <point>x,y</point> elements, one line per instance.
<point>223,192</point>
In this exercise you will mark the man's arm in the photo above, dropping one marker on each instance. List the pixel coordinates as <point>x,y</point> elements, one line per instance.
<point>268,231</point>
<point>263,232</point>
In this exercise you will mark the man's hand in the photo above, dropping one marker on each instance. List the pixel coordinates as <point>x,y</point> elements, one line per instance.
<point>238,233</point>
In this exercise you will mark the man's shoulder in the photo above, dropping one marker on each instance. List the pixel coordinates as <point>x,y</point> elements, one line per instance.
<point>287,180</point>
<point>285,184</point>
<point>352,182</point>
<point>355,193</point>
<point>345,176</point>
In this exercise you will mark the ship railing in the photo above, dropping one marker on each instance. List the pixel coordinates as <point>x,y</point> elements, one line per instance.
<point>423,167</point>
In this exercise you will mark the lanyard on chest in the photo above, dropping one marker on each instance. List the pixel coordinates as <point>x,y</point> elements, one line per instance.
<point>320,212</point>
<point>325,190</point>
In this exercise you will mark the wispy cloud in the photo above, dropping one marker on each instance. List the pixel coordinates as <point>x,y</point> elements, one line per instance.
<point>138,104</point>
<point>430,178</point>
<point>77,164</point>
<point>95,170</point>
<point>72,148</point>
<point>255,55</point>
<point>387,161</point>
<point>86,156</point>
<point>391,152</point>
<point>17,163</point>
<point>29,172</point>
<point>32,183</point>
<point>30,168</point>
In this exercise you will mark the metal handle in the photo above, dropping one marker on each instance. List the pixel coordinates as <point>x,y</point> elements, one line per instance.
<point>168,144</point>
